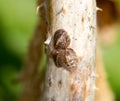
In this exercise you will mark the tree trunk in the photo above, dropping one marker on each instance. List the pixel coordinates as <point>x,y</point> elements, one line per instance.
<point>70,74</point>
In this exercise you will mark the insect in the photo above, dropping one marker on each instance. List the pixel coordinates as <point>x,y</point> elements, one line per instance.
<point>61,39</point>
<point>65,58</point>
<point>62,55</point>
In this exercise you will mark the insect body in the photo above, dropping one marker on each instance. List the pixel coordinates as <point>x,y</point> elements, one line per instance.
<point>62,55</point>
<point>65,58</point>
<point>61,39</point>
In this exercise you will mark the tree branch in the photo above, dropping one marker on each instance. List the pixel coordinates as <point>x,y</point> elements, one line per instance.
<point>78,19</point>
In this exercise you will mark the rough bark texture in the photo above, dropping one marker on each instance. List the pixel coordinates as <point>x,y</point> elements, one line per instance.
<point>78,18</point>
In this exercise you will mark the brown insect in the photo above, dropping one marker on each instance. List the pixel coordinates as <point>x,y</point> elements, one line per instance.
<point>61,39</point>
<point>65,58</point>
<point>62,55</point>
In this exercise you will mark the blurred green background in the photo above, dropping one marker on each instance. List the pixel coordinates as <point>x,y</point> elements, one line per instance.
<point>17,23</point>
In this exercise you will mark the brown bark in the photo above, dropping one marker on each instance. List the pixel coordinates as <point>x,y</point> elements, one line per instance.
<point>108,21</point>
<point>31,77</point>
